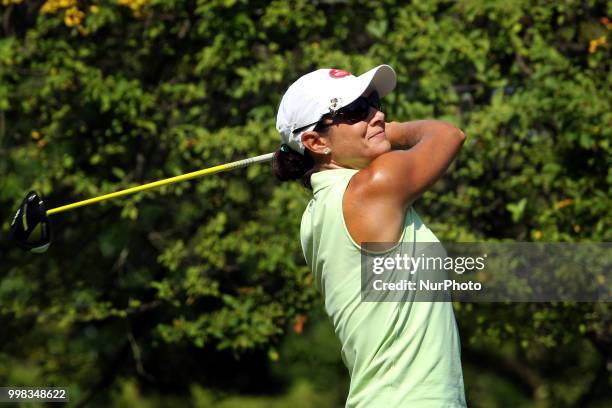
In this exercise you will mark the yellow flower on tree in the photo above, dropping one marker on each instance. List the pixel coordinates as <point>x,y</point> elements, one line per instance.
<point>73,17</point>
<point>52,6</point>
<point>135,5</point>
<point>597,43</point>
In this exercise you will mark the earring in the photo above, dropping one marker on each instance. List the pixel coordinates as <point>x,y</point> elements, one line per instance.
<point>327,150</point>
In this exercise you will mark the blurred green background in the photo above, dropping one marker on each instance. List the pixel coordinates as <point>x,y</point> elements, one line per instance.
<point>197,294</point>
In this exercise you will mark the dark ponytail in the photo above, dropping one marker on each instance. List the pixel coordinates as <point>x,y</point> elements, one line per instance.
<point>290,165</point>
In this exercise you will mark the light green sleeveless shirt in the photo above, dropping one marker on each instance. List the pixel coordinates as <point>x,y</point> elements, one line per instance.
<point>398,354</point>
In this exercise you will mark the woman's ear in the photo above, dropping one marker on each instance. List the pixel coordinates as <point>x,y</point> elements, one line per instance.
<point>314,142</point>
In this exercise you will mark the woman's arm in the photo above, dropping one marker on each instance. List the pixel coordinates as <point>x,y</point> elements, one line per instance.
<point>378,195</point>
<point>404,135</point>
<point>402,176</point>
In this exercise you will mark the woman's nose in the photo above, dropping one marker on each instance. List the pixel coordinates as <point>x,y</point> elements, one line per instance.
<point>376,116</point>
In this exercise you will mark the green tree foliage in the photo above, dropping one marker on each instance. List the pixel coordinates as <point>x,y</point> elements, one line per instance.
<point>197,283</point>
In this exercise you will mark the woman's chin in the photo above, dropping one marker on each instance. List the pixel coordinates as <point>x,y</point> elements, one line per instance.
<point>380,144</point>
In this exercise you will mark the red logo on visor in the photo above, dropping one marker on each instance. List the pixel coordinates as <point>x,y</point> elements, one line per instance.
<point>338,73</point>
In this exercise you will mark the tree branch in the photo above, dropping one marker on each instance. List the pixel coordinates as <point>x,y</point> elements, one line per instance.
<point>521,375</point>
<point>107,378</point>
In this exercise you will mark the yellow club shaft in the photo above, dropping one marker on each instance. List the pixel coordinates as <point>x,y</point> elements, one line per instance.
<point>159,183</point>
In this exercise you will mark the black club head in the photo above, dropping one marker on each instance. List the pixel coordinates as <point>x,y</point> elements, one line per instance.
<point>30,228</point>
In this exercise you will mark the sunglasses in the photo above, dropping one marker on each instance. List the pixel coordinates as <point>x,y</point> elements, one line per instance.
<point>355,112</point>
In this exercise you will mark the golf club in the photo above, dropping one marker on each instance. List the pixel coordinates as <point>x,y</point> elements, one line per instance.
<point>31,229</point>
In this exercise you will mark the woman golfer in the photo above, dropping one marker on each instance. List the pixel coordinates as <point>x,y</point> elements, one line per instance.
<point>365,174</point>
